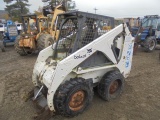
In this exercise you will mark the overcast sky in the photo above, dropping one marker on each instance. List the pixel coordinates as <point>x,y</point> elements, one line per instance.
<point>115,8</point>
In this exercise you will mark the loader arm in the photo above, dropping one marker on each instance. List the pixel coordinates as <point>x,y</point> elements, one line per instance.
<point>57,11</point>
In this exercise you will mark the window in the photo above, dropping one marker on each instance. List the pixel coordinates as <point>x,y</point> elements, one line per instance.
<point>154,23</point>
<point>147,22</point>
<point>18,25</point>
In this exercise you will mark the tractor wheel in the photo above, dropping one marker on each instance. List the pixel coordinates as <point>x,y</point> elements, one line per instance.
<point>73,97</point>
<point>159,56</point>
<point>1,36</point>
<point>1,42</point>
<point>44,41</point>
<point>111,85</point>
<point>3,49</point>
<point>19,50</point>
<point>150,44</point>
<point>2,46</point>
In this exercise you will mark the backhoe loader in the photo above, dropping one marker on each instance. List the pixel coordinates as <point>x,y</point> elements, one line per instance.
<point>27,42</point>
<point>39,32</point>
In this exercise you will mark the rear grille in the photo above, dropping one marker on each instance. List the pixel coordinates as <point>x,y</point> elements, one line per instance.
<point>12,30</point>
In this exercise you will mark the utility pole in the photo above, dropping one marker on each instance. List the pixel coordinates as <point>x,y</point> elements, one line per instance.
<point>95,9</point>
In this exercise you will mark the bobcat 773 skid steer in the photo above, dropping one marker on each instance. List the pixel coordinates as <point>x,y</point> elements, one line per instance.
<point>66,72</point>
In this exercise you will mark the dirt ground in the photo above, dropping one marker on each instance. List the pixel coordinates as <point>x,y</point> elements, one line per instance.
<point>140,99</point>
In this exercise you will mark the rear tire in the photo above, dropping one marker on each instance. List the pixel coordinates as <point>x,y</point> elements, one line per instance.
<point>150,44</point>
<point>44,41</point>
<point>1,42</point>
<point>73,97</point>
<point>3,49</point>
<point>2,46</point>
<point>19,49</point>
<point>111,85</point>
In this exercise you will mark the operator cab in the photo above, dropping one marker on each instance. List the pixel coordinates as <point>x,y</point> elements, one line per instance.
<point>70,40</point>
<point>30,23</point>
<point>151,23</point>
<point>33,24</point>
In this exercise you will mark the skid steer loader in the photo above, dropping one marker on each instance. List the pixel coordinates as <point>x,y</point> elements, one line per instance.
<point>83,57</point>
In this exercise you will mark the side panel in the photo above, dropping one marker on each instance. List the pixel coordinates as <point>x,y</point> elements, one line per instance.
<point>144,34</point>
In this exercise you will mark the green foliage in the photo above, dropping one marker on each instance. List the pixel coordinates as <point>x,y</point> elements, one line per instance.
<point>10,1</point>
<point>16,8</point>
<point>38,13</point>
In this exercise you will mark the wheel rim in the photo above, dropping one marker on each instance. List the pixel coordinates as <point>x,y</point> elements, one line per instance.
<point>77,100</point>
<point>49,43</point>
<point>114,87</point>
<point>151,44</point>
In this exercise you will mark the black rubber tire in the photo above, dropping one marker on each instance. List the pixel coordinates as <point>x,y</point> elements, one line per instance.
<point>159,56</point>
<point>1,36</point>
<point>3,49</point>
<point>18,49</point>
<point>105,83</point>
<point>64,93</point>
<point>44,41</point>
<point>2,46</point>
<point>147,43</point>
<point>1,42</point>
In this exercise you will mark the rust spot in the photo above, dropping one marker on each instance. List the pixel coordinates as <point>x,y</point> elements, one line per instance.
<point>27,42</point>
<point>113,87</point>
<point>77,100</point>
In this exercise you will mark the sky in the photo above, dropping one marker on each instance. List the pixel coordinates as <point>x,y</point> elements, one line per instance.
<point>114,8</point>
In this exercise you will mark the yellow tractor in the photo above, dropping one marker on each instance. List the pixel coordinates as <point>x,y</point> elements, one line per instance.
<point>33,26</point>
<point>39,32</point>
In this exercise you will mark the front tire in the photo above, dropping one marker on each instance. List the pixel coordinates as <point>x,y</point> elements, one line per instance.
<point>3,49</point>
<point>2,46</point>
<point>19,49</point>
<point>1,42</point>
<point>111,85</point>
<point>44,41</point>
<point>150,44</point>
<point>73,97</point>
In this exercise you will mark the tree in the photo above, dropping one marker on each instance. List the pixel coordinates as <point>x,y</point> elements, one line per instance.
<point>16,8</point>
<point>39,11</point>
<point>5,16</point>
<point>69,4</point>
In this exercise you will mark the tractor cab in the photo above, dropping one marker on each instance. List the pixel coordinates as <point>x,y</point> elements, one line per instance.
<point>34,24</point>
<point>150,25</point>
<point>43,23</point>
<point>30,23</point>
